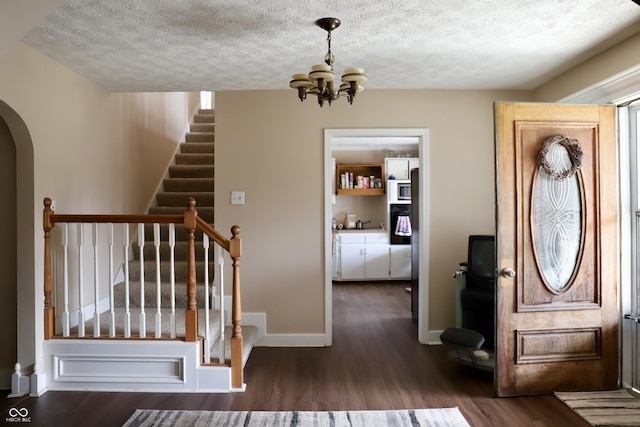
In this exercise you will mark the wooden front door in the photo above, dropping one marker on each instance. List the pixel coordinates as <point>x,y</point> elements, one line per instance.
<point>557,248</point>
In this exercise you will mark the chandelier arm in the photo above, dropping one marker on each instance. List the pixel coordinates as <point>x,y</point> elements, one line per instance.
<point>302,93</point>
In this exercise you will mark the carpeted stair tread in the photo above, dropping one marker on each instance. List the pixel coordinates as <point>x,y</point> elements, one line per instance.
<point>196,137</point>
<point>180,198</point>
<point>150,323</point>
<point>191,171</point>
<point>202,117</point>
<point>204,212</point>
<point>180,250</point>
<point>202,127</point>
<point>180,271</point>
<point>181,235</point>
<point>197,147</point>
<point>188,184</point>
<point>194,158</point>
<point>249,340</point>
<point>151,292</point>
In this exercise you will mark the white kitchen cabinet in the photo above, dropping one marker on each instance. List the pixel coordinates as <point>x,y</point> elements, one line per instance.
<point>400,261</point>
<point>352,261</point>
<point>376,261</point>
<point>362,256</point>
<point>400,167</point>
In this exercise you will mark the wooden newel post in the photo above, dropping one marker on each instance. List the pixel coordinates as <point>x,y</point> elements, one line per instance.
<point>235,252</point>
<point>191,314</point>
<point>49,310</point>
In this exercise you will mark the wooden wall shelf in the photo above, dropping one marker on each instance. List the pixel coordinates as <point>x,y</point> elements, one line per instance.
<point>347,182</point>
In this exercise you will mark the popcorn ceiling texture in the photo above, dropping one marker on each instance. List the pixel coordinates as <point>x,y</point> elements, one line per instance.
<point>185,45</point>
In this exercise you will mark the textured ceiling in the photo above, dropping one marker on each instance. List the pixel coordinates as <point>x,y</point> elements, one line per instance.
<point>176,45</point>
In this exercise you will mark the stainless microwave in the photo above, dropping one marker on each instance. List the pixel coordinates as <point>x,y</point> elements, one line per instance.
<point>399,191</point>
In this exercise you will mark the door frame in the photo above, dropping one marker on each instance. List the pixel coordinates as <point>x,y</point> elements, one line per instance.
<point>630,202</point>
<point>364,137</point>
<point>621,89</point>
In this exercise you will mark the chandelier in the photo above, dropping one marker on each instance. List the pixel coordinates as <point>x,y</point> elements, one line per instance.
<point>320,81</point>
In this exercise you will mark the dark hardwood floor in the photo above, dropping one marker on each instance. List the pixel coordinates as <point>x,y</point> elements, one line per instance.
<point>375,362</point>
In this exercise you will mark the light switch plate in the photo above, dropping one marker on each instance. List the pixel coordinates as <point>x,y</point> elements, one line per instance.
<point>237,197</point>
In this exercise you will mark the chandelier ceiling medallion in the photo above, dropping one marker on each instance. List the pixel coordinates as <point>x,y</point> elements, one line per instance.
<point>320,81</point>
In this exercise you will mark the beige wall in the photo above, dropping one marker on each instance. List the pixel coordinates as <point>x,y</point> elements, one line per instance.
<point>618,59</point>
<point>93,151</point>
<point>270,145</point>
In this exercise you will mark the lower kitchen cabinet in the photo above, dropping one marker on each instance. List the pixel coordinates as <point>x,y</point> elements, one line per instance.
<point>351,261</point>
<point>400,261</point>
<point>368,256</point>
<point>376,261</point>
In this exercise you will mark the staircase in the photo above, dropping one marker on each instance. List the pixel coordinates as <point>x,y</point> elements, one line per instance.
<point>130,359</point>
<point>191,175</point>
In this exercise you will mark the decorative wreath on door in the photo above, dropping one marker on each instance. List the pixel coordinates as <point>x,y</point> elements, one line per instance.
<point>575,156</point>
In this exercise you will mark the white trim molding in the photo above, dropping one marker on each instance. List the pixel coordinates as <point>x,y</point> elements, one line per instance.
<point>617,89</point>
<point>337,139</point>
<point>621,89</point>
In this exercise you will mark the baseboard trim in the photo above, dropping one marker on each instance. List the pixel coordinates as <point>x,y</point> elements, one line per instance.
<point>433,337</point>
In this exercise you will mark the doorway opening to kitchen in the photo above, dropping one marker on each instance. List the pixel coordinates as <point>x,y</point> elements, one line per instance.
<point>365,162</point>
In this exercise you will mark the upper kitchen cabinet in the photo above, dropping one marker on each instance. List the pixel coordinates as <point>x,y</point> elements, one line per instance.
<point>360,179</point>
<point>399,167</point>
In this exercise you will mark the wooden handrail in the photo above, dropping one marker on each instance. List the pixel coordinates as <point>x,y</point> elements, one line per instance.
<point>116,219</point>
<point>213,233</point>
<point>191,222</point>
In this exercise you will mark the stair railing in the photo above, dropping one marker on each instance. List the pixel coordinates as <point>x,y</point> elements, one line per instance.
<point>191,222</point>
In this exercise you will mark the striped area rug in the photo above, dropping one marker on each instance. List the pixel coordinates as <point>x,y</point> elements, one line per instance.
<point>604,408</point>
<point>445,417</point>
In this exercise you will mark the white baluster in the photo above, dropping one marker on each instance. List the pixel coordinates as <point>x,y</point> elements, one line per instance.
<point>127,312</point>
<point>156,243</point>
<point>112,313</point>
<point>96,287</point>
<point>207,336</point>
<point>220,276</point>
<point>172,246</point>
<point>80,280</point>
<point>65,279</point>
<point>143,323</point>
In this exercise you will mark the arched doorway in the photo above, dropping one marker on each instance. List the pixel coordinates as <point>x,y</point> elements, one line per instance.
<point>8,256</point>
<point>18,216</point>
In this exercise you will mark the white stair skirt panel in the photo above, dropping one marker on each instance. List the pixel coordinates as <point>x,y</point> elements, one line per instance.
<point>131,365</point>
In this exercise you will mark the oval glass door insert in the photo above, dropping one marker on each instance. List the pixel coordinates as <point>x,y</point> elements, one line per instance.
<point>556,221</point>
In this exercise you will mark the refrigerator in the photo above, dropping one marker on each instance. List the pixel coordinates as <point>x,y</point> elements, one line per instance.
<point>415,241</point>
